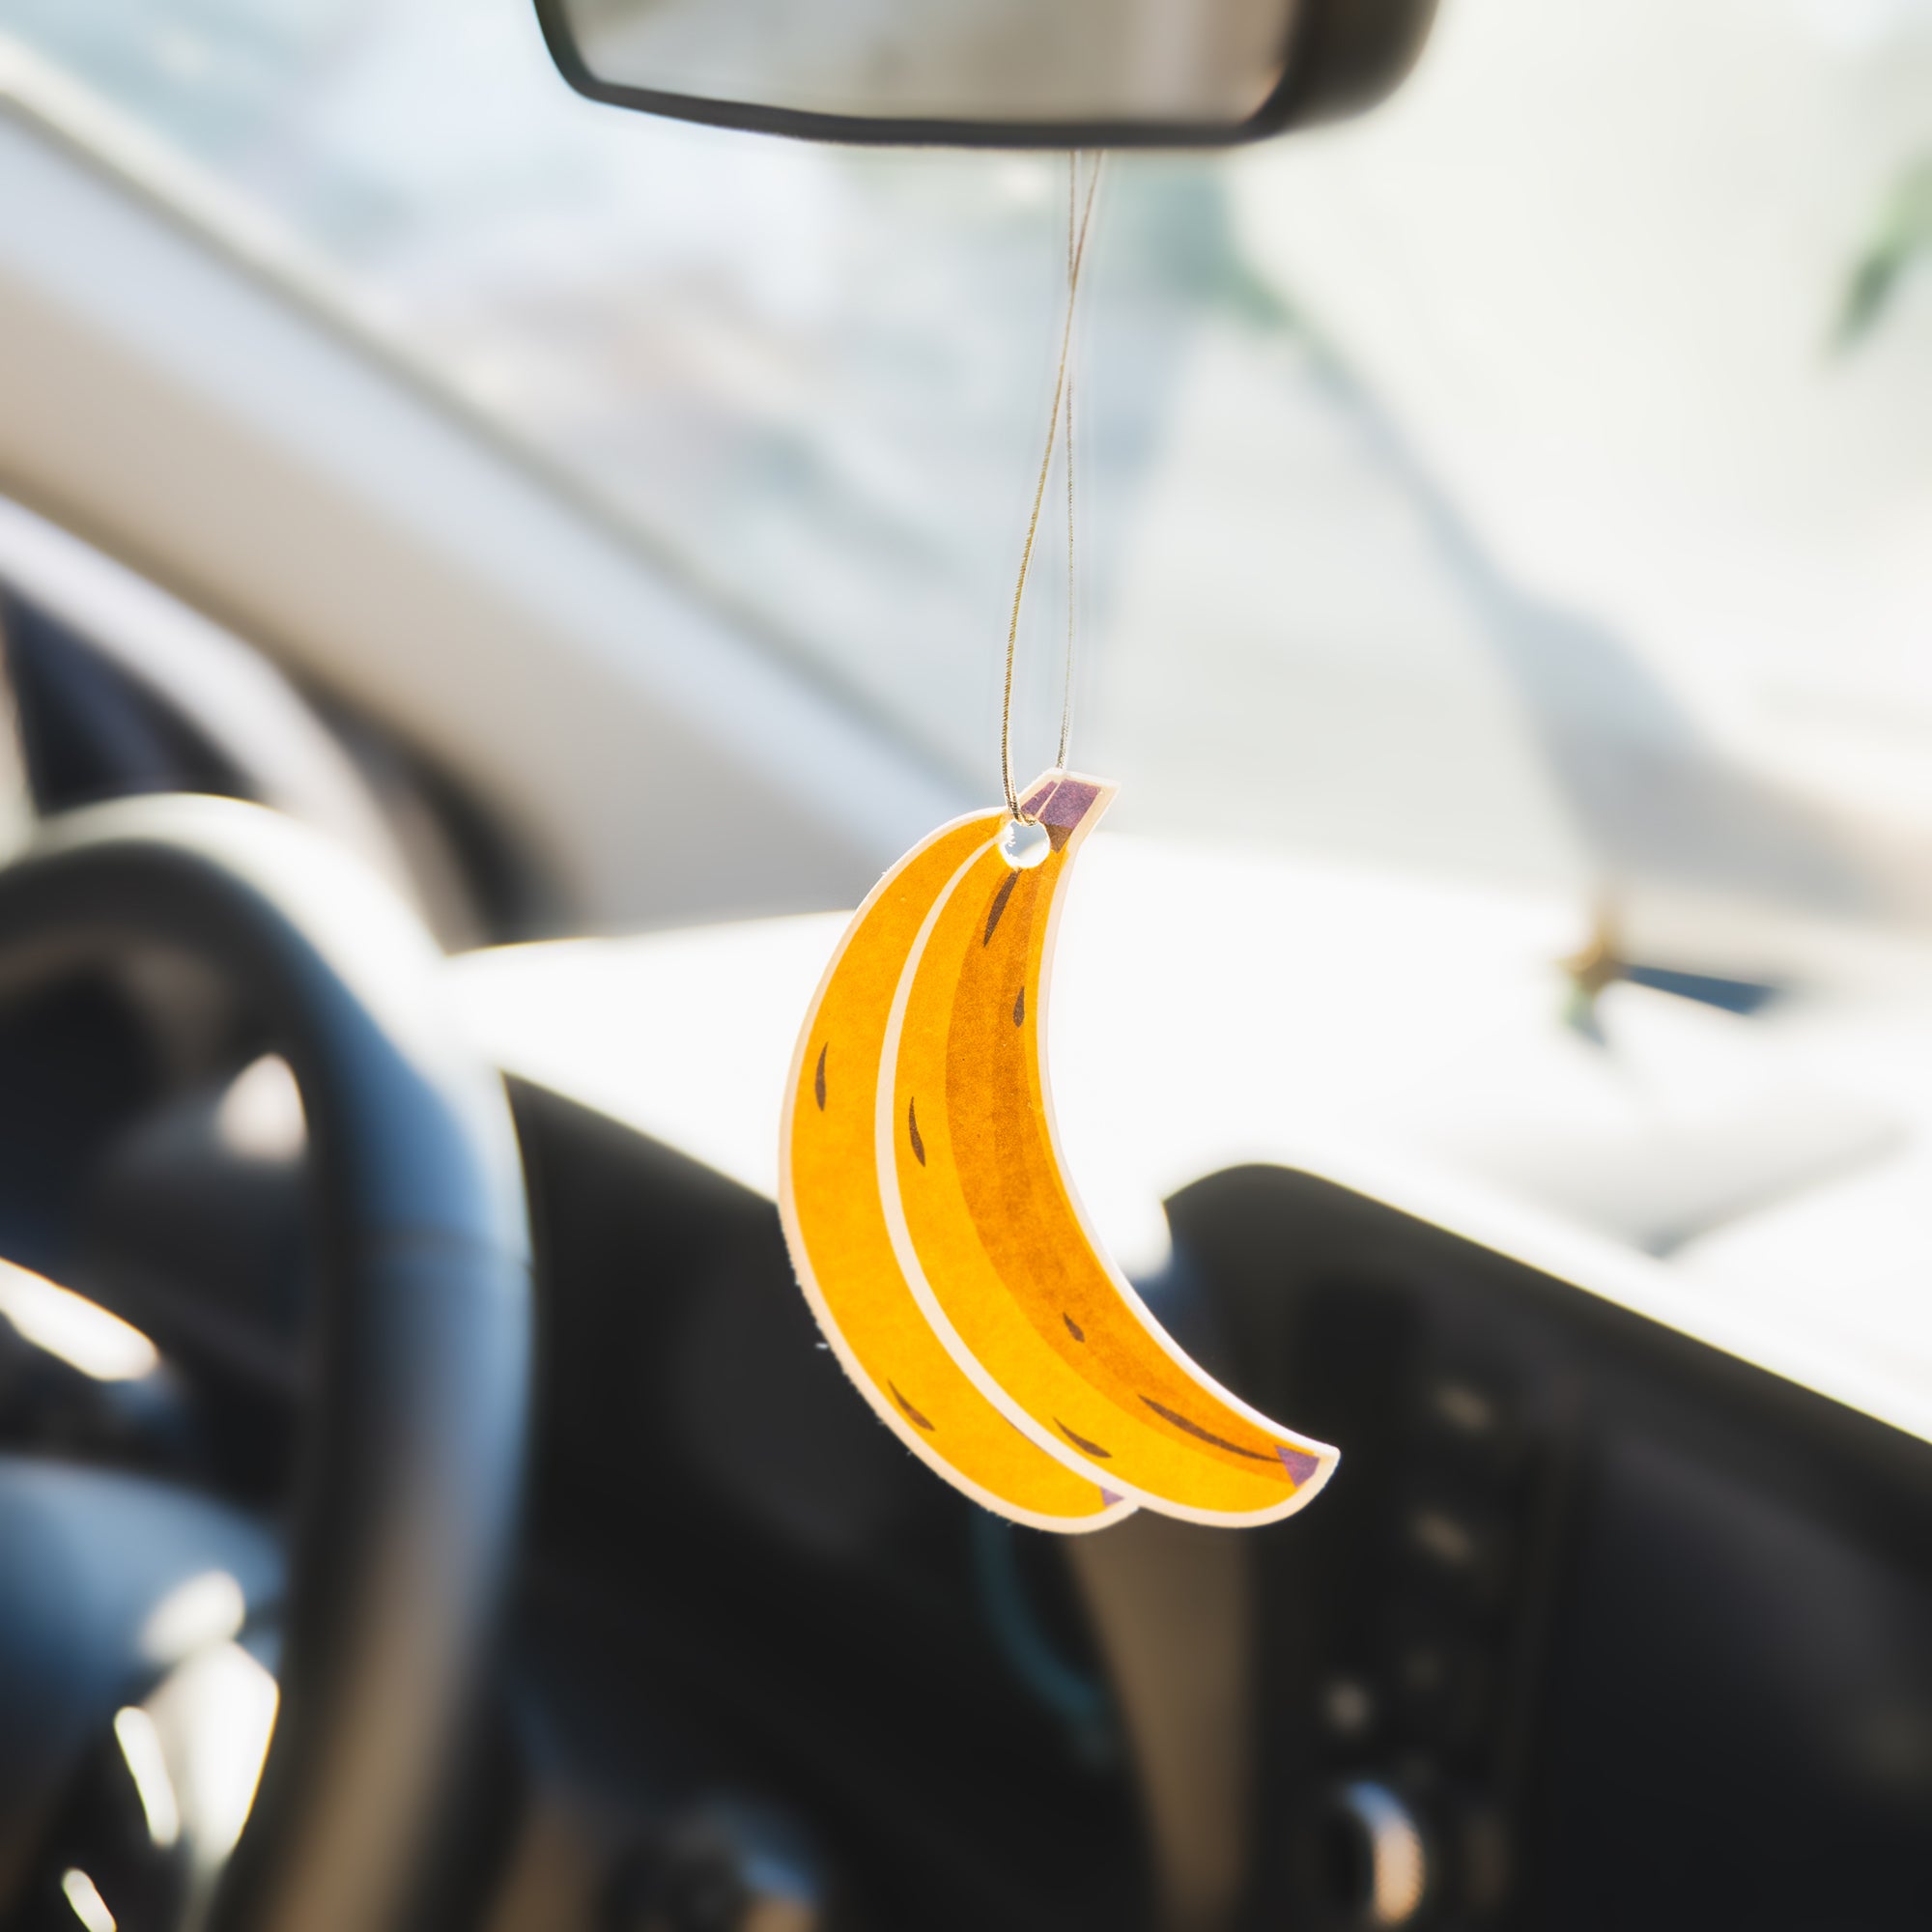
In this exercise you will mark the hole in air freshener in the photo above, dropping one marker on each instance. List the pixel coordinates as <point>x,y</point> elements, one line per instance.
<point>1024,843</point>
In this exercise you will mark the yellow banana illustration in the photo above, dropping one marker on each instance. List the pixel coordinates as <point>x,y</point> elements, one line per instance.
<point>991,1237</point>
<point>834,1213</point>
<point>939,1240</point>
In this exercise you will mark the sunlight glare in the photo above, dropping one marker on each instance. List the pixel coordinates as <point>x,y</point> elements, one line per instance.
<point>89,1907</point>
<point>148,1765</point>
<point>209,1608</point>
<point>80,1332</point>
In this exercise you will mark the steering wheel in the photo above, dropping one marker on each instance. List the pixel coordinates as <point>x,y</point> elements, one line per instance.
<point>413,1444</point>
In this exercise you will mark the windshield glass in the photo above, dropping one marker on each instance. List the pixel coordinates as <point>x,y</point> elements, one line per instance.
<point>1530,480</point>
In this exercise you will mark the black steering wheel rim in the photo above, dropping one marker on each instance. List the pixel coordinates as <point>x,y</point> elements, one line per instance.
<point>413,1445</point>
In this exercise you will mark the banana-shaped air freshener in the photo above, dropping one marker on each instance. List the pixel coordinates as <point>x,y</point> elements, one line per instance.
<point>935,1231</point>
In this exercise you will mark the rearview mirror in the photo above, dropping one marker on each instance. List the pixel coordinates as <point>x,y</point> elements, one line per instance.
<point>1000,74</point>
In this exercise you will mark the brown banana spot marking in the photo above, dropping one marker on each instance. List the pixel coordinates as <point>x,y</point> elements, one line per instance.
<point>818,1078</point>
<point>910,1410</point>
<point>912,1128</point>
<point>1019,1007</point>
<point>1073,1327</point>
<point>1167,1414</point>
<point>1081,1443</point>
<point>1000,899</point>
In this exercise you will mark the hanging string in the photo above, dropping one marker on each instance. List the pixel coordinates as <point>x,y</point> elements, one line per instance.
<point>1060,411</point>
<point>1066,458</point>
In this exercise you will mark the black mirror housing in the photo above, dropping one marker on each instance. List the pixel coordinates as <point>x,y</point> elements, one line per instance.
<point>975,73</point>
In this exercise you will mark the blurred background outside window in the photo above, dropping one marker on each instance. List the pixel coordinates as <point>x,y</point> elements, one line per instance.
<point>1532,482</point>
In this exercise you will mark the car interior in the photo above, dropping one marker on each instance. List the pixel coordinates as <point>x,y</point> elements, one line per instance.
<point>506,516</point>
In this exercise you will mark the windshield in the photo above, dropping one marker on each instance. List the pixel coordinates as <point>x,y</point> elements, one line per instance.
<point>1529,481</point>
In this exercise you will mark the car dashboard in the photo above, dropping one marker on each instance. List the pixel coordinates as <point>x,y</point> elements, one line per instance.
<point>1599,1624</point>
